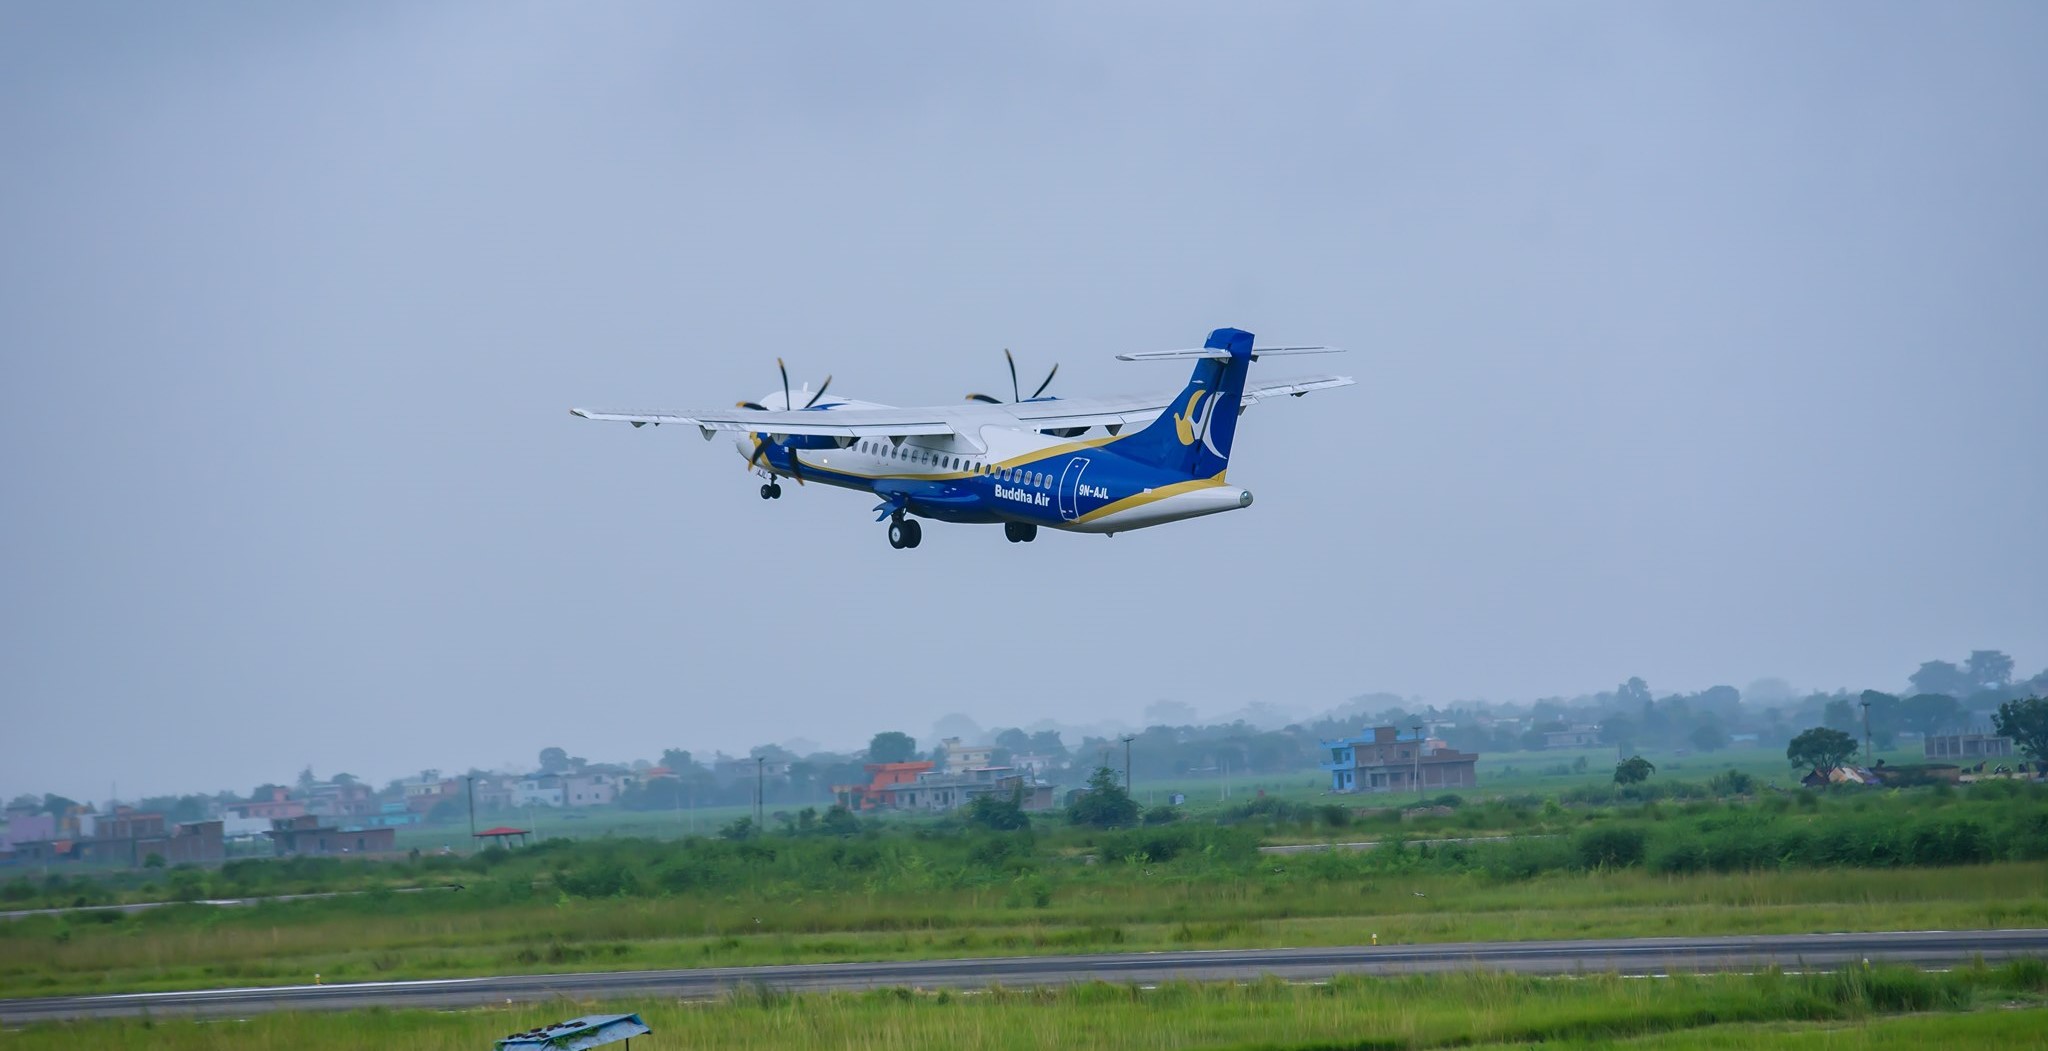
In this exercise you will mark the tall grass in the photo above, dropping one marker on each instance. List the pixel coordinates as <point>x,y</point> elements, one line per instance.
<point>1454,1010</point>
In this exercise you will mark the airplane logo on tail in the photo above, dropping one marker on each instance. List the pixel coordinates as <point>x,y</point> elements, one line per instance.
<point>1195,422</point>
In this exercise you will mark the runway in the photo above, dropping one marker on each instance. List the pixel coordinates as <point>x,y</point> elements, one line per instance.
<point>1629,956</point>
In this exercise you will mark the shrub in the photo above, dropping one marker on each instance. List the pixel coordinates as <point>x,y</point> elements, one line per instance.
<point>1610,846</point>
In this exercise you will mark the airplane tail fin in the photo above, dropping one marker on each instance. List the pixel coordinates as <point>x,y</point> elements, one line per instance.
<point>1193,434</point>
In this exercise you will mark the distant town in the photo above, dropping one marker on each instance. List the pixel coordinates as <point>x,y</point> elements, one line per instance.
<point>1377,744</point>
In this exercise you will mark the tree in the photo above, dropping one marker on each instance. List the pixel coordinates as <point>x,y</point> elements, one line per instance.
<point>838,821</point>
<point>1106,804</point>
<point>58,805</point>
<point>1820,749</point>
<point>1047,742</point>
<point>27,801</point>
<point>1839,715</point>
<point>1633,770</point>
<point>1618,730</point>
<point>1017,742</point>
<point>1001,815</point>
<point>1940,677</point>
<point>264,792</point>
<point>1708,736</point>
<point>892,746</point>
<point>1929,713</point>
<point>553,759</point>
<point>307,779</point>
<point>2026,722</point>
<point>1634,693</point>
<point>1989,669</point>
<point>678,761</point>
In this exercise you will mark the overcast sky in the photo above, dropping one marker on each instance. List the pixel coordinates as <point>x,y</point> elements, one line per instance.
<point>1699,342</point>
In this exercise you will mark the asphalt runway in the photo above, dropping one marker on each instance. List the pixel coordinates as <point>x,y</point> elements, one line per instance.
<point>1629,956</point>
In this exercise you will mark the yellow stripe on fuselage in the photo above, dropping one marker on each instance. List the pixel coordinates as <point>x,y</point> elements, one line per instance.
<point>1150,496</point>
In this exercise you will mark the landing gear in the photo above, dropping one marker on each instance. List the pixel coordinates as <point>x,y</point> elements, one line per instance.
<point>1020,532</point>
<point>905,532</point>
<point>771,491</point>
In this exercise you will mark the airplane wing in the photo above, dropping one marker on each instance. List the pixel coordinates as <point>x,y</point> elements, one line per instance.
<point>1050,414</point>
<point>831,423</point>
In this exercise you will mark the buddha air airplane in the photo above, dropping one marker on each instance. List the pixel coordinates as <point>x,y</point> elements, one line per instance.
<point>1085,465</point>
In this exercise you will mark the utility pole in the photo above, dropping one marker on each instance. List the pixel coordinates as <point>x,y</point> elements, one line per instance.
<point>760,782</point>
<point>1867,756</point>
<point>1418,761</point>
<point>471,780</point>
<point>1127,739</point>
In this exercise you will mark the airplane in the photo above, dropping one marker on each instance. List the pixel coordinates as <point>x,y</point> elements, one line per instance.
<point>1085,465</point>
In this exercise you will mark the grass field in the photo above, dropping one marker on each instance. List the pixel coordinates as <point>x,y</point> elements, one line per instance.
<point>410,936</point>
<point>1880,1007</point>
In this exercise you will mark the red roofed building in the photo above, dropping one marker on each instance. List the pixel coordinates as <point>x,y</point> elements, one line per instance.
<point>884,779</point>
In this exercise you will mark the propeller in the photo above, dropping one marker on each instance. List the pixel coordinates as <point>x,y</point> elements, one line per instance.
<point>1016,391</point>
<point>796,467</point>
<point>784,370</point>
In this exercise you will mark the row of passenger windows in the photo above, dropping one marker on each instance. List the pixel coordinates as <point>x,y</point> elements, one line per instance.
<point>914,454</point>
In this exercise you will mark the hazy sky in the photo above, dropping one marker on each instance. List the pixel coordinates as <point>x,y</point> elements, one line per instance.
<point>1699,342</point>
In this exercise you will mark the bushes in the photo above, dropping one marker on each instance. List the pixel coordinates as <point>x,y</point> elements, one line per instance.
<point>1172,841</point>
<point>1611,846</point>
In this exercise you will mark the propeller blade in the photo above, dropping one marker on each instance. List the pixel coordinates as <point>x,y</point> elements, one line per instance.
<point>1048,380</point>
<point>796,467</point>
<point>757,407</point>
<point>785,382</point>
<point>760,450</point>
<point>821,392</point>
<point>986,398</point>
<point>1014,396</point>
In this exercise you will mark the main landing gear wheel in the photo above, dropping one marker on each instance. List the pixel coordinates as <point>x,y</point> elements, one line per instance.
<point>1020,532</point>
<point>771,491</point>
<point>905,533</point>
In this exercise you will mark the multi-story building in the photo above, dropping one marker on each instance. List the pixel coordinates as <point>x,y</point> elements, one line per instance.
<point>279,805</point>
<point>1389,759</point>
<point>963,757</point>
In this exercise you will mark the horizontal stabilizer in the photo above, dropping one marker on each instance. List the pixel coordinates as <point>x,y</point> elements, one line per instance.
<point>1220,353</point>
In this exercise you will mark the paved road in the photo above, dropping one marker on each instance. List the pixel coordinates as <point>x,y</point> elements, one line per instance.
<point>1620,955</point>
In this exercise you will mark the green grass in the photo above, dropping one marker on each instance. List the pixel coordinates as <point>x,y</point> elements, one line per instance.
<point>407,936</point>
<point>1885,1006</point>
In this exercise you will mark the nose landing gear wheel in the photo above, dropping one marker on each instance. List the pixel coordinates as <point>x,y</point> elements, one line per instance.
<point>771,491</point>
<point>1020,532</point>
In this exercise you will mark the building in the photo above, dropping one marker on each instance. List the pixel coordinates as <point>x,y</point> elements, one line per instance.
<point>279,805</point>
<point>1389,759</point>
<point>306,837</point>
<point>29,826</point>
<point>423,795</point>
<point>963,757</point>
<point>591,788</point>
<point>1035,765</point>
<point>538,790</point>
<point>1576,737</point>
<point>338,800</point>
<point>131,838</point>
<point>883,779</point>
<point>1976,743</point>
